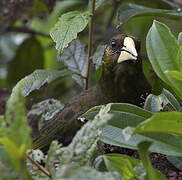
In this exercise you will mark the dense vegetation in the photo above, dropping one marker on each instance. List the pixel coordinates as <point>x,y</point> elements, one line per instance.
<point>39,67</point>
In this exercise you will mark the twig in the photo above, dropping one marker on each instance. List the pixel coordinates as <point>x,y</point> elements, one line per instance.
<point>26,30</point>
<point>41,168</point>
<point>89,60</point>
<point>84,77</point>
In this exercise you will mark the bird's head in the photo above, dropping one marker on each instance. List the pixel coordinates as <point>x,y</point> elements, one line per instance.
<point>122,77</point>
<point>121,48</point>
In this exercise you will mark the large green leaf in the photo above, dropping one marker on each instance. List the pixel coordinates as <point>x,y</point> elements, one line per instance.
<point>156,83</point>
<point>123,114</point>
<point>144,156</point>
<point>29,57</point>
<point>162,143</point>
<point>164,53</point>
<point>67,28</point>
<point>119,108</point>
<point>37,79</point>
<point>128,11</point>
<point>126,115</point>
<point>165,122</point>
<point>126,166</point>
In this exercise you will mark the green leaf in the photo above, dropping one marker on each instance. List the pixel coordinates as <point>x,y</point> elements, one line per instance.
<point>16,153</point>
<point>75,58</point>
<point>176,74</point>
<point>180,38</point>
<point>144,156</point>
<point>36,80</point>
<point>156,83</point>
<point>164,53</point>
<point>67,28</point>
<point>29,57</point>
<point>118,109</point>
<point>126,115</point>
<point>15,135</point>
<point>123,114</point>
<point>158,103</point>
<point>176,161</point>
<point>165,122</point>
<point>126,166</point>
<point>162,143</point>
<point>27,85</point>
<point>6,170</point>
<point>128,11</point>
<point>153,103</point>
<point>172,100</point>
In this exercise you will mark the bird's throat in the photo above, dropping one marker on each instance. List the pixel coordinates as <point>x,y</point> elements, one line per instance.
<point>124,83</point>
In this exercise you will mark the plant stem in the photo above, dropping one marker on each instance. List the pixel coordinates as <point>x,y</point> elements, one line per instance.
<point>26,30</point>
<point>41,168</point>
<point>89,60</point>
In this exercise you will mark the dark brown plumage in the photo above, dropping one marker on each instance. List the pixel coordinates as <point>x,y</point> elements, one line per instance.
<point>122,80</point>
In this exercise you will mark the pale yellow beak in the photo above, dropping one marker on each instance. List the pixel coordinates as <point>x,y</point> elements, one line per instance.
<point>128,52</point>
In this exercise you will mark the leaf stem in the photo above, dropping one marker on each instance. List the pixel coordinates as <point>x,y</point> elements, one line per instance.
<point>89,60</point>
<point>41,168</point>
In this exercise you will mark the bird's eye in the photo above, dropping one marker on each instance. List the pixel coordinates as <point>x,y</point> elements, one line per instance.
<point>113,44</point>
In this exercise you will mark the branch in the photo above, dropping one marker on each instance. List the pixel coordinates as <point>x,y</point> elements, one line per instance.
<point>89,60</point>
<point>41,168</point>
<point>26,30</point>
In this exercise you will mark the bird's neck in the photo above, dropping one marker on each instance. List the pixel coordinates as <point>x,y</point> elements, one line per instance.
<point>124,83</point>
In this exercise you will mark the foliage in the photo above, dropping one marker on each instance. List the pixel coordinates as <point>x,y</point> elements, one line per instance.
<point>126,166</point>
<point>156,127</point>
<point>15,134</point>
<point>75,58</point>
<point>129,11</point>
<point>151,172</point>
<point>34,49</point>
<point>67,28</point>
<point>166,58</point>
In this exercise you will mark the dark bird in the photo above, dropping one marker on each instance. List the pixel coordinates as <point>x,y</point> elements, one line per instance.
<point>122,80</point>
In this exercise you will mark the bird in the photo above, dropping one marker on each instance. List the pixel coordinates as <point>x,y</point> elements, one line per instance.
<point>122,81</point>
